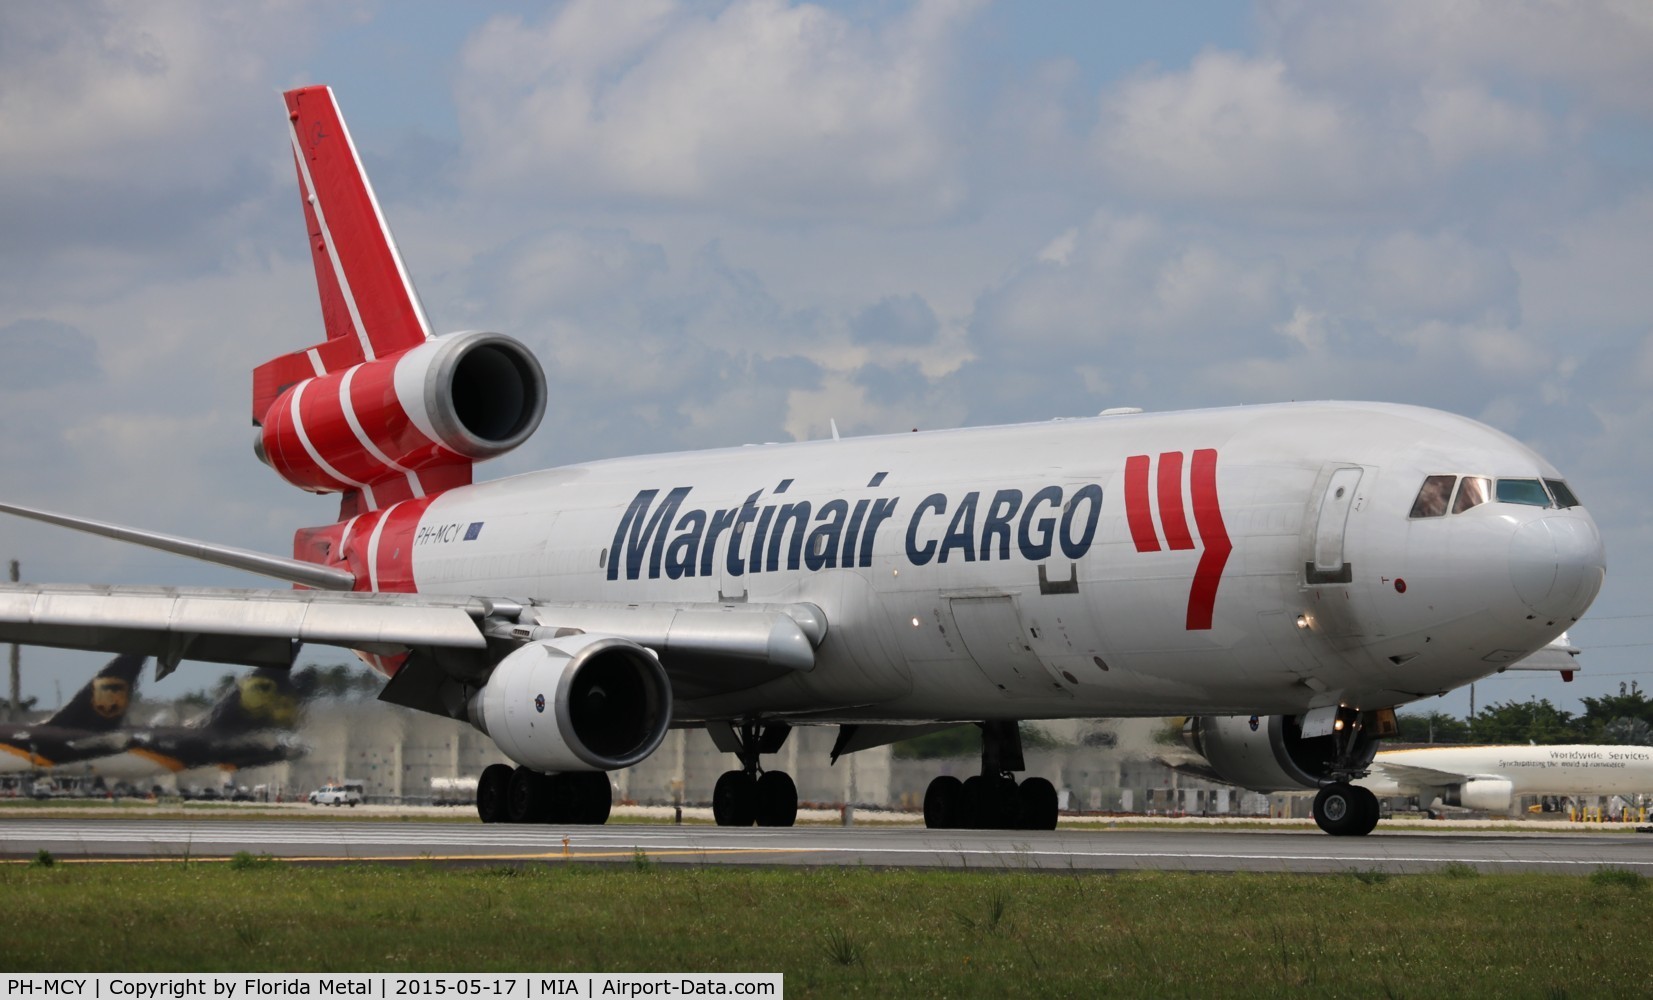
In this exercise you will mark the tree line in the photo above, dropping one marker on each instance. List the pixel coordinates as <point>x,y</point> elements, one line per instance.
<point>1624,718</point>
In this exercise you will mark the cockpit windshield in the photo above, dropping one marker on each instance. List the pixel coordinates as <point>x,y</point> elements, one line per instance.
<point>1523,491</point>
<point>1472,492</point>
<point>1563,496</point>
<point>1458,494</point>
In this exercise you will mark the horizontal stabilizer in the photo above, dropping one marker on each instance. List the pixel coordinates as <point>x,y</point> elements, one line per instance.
<point>277,567</point>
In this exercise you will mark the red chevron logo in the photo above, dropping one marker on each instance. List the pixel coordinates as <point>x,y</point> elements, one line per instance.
<point>1173,521</point>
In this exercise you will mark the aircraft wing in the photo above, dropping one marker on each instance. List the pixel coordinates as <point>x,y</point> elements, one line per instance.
<point>706,649</point>
<point>1413,776</point>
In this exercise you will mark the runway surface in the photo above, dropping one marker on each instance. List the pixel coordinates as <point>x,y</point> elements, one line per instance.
<point>1122,849</point>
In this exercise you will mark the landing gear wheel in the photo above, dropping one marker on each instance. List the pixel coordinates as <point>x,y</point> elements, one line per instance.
<point>559,799</point>
<point>1345,810</point>
<point>528,798</point>
<point>491,793</point>
<point>777,799</point>
<point>1038,797</point>
<point>944,804</point>
<point>1370,811</point>
<point>734,799</point>
<point>595,795</point>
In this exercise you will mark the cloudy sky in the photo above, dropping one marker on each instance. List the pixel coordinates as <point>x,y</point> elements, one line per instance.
<point>727,222</point>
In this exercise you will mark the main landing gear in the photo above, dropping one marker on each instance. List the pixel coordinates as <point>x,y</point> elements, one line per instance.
<point>522,795</point>
<point>1345,810</point>
<point>992,800</point>
<point>750,795</point>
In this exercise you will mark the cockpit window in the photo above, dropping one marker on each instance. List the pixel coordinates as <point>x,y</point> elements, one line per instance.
<point>1563,496</point>
<point>1472,492</point>
<point>1523,491</point>
<point>1432,497</point>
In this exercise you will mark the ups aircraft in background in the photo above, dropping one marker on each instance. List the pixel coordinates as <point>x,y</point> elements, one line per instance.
<point>250,725</point>
<point>97,709</point>
<point>1313,564</point>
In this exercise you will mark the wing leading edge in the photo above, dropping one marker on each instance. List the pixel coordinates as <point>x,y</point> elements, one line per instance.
<point>706,649</point>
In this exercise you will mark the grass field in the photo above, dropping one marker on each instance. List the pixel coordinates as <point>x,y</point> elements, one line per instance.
<point>842,931</point>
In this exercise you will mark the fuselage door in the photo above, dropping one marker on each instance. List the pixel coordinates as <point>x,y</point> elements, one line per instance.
<point>993,634</point>
<point>1326,563</point>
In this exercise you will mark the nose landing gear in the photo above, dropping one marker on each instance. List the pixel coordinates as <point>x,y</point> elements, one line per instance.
<point>1345,810</point>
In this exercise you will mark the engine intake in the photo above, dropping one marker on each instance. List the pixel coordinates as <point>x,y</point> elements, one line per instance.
<point>1274,756</point>
<point>451,400</point>
<point>578,703</point>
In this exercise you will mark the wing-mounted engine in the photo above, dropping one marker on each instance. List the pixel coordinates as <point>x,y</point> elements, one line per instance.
<point>1271,754</point>
<point>584,702</point>
<point>408,424</point>
<point>1494,795</point>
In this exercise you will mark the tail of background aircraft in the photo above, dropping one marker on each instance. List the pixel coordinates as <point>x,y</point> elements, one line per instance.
<point>381,411</point>
<point>102,704</point>
<point>263,699</point>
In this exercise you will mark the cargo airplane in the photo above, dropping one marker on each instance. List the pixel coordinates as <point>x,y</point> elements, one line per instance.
<point>250,725</point>
<point>1316,564</point>
<point>1491,778</point>
<point>97,709</point>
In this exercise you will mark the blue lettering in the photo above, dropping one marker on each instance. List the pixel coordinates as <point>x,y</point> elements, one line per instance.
<point>681,553</point>
<point>1092,495</point>
<point>636,537</point>
<point>961,532</point>
<point>821,551</point>
<point>1035,551</point>
<point>916,555</point>
<point>996,524</point>
<point>797,515</point>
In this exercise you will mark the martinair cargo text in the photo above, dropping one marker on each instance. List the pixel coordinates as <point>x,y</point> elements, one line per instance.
<point>1315,564</point>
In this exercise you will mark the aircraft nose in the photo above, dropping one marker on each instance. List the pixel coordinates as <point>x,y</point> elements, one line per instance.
<point>1557,565</point>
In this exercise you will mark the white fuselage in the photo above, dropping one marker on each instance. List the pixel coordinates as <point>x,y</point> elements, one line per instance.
<point>1530,770</point>
<point>1069,568</point>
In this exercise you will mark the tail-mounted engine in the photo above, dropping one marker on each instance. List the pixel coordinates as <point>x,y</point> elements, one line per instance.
<point>579,703</point>
<point>409,424</point>
<point>1271,754</point>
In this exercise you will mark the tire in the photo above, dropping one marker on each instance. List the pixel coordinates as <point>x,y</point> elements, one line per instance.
<point>944,804</point>
<point>1370,811</point>
<point>777,799</point>
<point>491,789</point>
<point>734,799</point>
<point>976,805</point>
<point>595,795</point>
<point>1038,799</point>
<point>529,796</point>
<point>1340,809</point>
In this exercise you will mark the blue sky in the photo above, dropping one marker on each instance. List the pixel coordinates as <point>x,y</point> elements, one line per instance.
<point>890,215</point>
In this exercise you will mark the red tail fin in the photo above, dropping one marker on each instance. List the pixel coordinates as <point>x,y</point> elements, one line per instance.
<point>380,412</point>
<point>369,307</point>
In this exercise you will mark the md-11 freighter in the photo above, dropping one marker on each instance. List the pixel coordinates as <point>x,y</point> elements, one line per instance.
<point>1315,564</point>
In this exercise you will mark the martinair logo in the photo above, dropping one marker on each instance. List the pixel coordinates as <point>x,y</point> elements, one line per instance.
<point>539,703</point>
<point>1173,520</point>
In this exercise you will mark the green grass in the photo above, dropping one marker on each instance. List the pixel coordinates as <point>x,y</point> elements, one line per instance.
<point>837,931</point>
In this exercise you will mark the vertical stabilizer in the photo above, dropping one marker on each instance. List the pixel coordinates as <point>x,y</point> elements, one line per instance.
<point>369,307</point>
<point>102,704</point>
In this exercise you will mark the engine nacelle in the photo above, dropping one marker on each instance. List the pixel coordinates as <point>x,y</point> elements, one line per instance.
<point>1273,755</point>
<point>578,703</point>
<point>1495,795</point>
<point>453,399</point>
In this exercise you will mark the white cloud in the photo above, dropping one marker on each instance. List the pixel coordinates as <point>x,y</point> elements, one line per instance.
<point>1239,130</point>
<point>771,107</point>
<point>1602,50</point>
<point>1464,121</point>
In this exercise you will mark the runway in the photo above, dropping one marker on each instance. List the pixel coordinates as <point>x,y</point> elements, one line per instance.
<point>1095,850</point>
